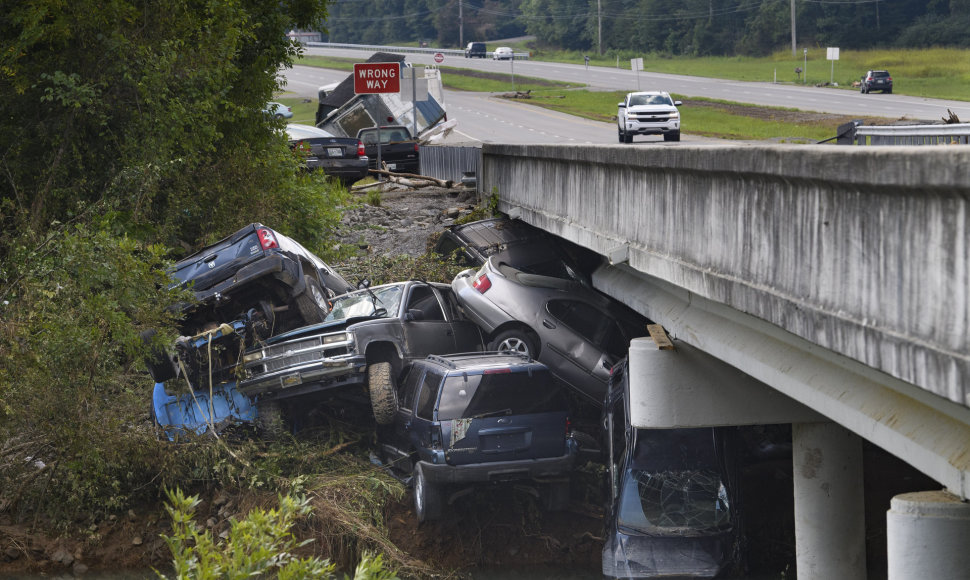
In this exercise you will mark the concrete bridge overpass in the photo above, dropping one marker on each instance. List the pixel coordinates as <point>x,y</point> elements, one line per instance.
<point>838,277</point>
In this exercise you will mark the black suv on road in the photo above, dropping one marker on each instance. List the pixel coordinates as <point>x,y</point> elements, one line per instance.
<point>877,80</point>
<point>475,50</point>
<point>480,418</point>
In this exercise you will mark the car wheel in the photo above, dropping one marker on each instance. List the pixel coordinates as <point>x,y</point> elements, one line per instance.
<point>428,502</point>
<point>628,137</point>
<point>555,496</point>
<point>619,133</point>
<point>672,136</point>
<point>269,419</point>
<point>383,392</point>
<point>515,340</point>
<point>312,302</point>
<point>888,91</point>
<point>278,115</point>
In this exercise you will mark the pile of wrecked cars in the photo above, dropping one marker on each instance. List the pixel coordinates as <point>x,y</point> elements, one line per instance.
<point>477,382</point>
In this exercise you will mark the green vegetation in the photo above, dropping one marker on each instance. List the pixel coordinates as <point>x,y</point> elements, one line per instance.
<point>686,28</point>
<point>260,545</point>
<point>942,73</point>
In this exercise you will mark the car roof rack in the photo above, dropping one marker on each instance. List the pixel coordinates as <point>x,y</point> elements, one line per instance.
<point>451,360</point>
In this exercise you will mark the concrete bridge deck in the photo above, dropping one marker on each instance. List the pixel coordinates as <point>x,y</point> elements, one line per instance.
<point>837,276</point>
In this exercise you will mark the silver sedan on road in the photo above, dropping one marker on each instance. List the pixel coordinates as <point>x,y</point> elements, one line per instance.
<point>575,331</point>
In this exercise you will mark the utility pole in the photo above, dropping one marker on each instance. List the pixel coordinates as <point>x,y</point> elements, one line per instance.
<point>461,26</point>
<point>599,28</point>
<point>793,52</point>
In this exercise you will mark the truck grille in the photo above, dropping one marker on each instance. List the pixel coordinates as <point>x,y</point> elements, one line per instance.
<point>651,117</point>
<point>303,357</point>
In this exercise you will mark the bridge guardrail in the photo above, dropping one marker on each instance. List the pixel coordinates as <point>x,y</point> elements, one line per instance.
<point>403,49</point>
<point>951,134</point>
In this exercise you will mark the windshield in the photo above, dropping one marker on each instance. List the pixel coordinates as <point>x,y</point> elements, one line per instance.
<point>682,503</point>
<point>366,303</point>
<point>672,485</point>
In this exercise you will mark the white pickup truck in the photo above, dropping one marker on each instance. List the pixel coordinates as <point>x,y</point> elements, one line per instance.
<point>648,113</point>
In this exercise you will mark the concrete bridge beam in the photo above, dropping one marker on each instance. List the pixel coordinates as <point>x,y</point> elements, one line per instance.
<point>927,536</point>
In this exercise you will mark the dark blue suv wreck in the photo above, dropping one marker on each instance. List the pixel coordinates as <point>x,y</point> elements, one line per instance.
<point>480,418</point>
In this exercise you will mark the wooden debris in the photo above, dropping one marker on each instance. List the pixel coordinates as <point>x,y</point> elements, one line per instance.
<point>659,336</point>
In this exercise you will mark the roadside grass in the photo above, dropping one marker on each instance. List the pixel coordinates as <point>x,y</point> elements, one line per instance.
<point>458,79</point>
<point>699,116</point>
<point>942,73</point>
<point>707,117</point>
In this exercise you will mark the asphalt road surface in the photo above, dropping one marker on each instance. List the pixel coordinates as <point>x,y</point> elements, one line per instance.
<point>481,117</point>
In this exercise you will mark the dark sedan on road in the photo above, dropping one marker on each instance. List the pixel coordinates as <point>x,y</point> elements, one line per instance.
<point>341,157</point>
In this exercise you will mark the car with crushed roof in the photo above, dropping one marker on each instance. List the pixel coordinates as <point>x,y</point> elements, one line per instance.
<point>357,352</point>
<point>480,419</point>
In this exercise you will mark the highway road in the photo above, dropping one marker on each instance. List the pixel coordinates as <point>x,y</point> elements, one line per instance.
<point>482,117</point>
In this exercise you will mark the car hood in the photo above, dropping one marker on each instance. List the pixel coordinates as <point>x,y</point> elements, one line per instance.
<point>333,326</point>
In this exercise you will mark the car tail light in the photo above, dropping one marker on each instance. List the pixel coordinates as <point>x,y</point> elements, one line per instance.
<point>569,426</point>
<point>360,149</point>
<point>497,371</point>
<point>266,239</point>
<point>415,147</point>
<point>482,283</point>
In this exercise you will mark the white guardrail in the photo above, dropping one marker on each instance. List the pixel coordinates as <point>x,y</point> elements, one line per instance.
<point>953,134</point>
<point>404,49</point>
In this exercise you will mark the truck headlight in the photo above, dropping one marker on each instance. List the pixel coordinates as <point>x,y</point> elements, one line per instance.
<point>253,356</point>
<point>339,337</point>
<point>675,115</point>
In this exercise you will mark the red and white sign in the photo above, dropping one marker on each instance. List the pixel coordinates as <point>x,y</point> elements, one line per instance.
<point>377,77</point>
<point>438,57</point>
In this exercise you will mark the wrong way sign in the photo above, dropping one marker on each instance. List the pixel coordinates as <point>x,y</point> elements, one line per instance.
<point>377,77</point>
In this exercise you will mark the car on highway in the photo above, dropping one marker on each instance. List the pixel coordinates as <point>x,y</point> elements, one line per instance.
<point>475,50</point>
<point>648,113</point>
<point>576,331</point>
<point>503,53</point>
<point>278,110</point>
<point>466,420</point>
<point>876,80</point>
<point>341,157</point>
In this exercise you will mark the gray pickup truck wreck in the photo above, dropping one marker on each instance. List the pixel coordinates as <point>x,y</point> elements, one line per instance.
<point>360,349</point>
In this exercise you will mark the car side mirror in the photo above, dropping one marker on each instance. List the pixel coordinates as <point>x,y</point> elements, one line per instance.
<point>414,314</point>
<point>621,105</point>
<point>678,103</point>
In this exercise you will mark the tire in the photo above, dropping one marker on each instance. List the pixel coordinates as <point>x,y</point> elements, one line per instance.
<point>628,137</point>
<point>555,496</point>
<point>269,419</point>
<point>620,134</point>
<point>672,136</point>
<point>160,365</point>
<point>312,302</point>
<point>515,340</point>
<point>279,115</point>
<point>862,90</point>
<point>428,502</point>
<point>888,91</point>
<point>383,392</point>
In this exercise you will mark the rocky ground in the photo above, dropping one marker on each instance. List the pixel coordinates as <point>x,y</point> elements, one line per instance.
<point>404,220</point>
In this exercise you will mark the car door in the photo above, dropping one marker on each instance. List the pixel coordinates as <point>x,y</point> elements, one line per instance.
<point>426,330</point>
<point>468,335</point>
<point>570,330</point>
<point>395,438</point>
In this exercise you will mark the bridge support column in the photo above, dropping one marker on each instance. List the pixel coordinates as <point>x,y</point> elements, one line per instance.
<point>830,524</point>
<point>927,536</point>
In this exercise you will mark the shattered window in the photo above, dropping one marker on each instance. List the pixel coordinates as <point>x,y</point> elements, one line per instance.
<point>673,486</point>
<point>673,502</point>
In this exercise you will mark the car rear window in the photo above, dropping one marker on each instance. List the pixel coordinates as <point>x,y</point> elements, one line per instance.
<point>879,74</point>
<point>509,393</point>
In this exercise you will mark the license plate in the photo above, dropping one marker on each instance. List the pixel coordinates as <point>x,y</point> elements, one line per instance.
<point>392,165</point>
<point>335,151</point>
<point>291,380</point>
